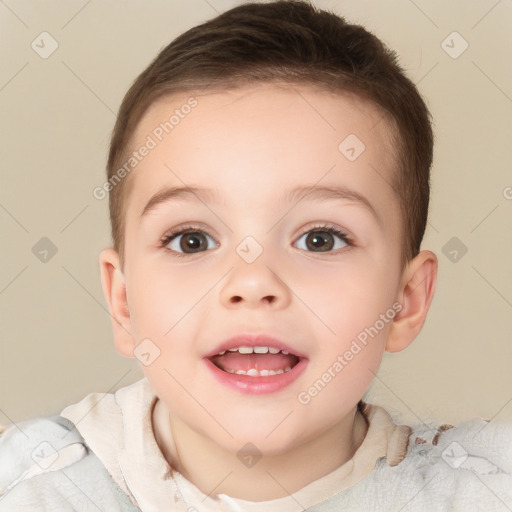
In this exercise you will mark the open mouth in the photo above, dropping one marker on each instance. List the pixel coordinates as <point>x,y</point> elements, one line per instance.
<point>261,361</point>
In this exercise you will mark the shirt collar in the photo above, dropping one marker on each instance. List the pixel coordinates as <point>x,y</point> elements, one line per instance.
<point>135,461</point>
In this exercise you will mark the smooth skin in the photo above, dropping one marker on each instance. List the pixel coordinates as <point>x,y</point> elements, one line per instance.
<point>251,147</point>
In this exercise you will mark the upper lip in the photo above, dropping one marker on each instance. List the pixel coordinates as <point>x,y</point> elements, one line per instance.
<point>253,340</point>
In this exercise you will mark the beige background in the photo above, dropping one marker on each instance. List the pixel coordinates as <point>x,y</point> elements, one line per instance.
<point>56,118</point>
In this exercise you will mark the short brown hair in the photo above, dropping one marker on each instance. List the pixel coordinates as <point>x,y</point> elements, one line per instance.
<point>287,41</point>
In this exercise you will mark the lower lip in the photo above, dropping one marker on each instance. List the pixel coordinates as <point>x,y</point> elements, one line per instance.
<point>257,385</point>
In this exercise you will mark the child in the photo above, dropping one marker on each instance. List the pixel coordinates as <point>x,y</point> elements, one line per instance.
<point>269,185</point>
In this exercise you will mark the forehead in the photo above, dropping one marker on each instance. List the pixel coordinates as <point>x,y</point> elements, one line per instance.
<point>263,136</point>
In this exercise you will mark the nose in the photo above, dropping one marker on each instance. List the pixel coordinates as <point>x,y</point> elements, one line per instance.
<point>254,285</point>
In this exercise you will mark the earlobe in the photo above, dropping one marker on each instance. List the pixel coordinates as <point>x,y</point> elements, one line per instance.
<point>416,294</point>
<point>114,288</point>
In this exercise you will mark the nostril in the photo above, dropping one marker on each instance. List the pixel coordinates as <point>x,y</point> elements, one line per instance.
<point>268,298</point>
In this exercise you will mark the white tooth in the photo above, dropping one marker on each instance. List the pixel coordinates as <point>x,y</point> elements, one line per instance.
<point>245,350</point>
<point>233,350</point>
<point>253,372</point>
<point>260,350</point>
<point>284,352</point>
<point>279,372</point>
<point>273,350</point>
<point>288,368</point>
<point>272,372</point>
<point>230,371</point>
<point>222,353</point>
<point>264,373</point>
<point>241,372</point>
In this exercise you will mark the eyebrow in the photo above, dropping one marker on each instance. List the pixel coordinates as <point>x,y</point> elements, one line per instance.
<point>166,195</point>
<point>295,195</point>
<point>321,193</point>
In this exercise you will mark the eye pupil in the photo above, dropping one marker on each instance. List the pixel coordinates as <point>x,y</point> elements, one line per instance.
<point>192,241</point>
<point>320,240</point>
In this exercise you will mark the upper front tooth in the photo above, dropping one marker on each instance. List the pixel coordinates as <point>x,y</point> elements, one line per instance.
<point>256,350</point>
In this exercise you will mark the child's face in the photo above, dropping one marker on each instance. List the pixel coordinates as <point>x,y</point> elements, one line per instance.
<point>250,149</point>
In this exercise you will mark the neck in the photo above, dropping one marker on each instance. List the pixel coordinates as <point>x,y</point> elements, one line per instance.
<point>210,468</point>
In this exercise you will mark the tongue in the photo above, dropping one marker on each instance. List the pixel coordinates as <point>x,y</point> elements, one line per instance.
<point>236,361</point>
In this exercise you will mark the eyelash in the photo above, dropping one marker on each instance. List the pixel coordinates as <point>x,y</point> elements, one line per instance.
<point>331,230</point>
<point>166,239</point>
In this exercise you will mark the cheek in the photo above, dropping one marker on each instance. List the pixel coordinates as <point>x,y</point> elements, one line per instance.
<point>349,299</point>
<point>157,301</point>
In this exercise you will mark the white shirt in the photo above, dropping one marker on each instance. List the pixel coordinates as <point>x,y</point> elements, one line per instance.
<point>118,427</point>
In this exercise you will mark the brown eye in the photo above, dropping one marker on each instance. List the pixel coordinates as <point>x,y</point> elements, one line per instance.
<point>191,242</point>
<point>319,240</point>
<point>322,240</point>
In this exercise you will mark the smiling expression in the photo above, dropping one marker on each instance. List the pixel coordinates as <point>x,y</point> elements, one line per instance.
<point>247,226</point>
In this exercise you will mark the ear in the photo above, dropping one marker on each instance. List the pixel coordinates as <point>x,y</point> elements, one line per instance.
<point>415,295</point>
<point>114,289</point>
